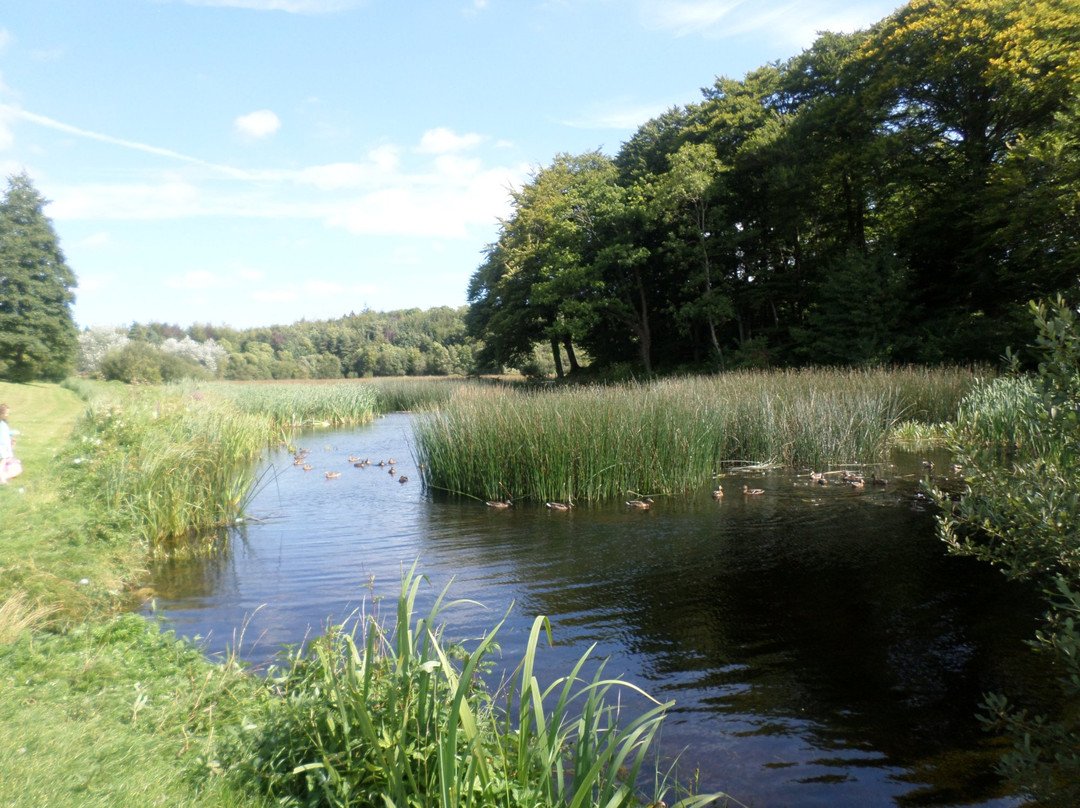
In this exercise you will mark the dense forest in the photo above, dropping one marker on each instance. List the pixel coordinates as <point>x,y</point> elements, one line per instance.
<point>892,195</point>
<point>895,195</point>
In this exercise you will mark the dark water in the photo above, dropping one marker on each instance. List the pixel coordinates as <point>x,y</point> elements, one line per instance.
<point>821,647</point>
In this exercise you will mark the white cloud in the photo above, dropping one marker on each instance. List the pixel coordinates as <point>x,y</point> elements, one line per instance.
<point>259,124</point>
<point>443,140</point>
<point>7,137</point>
<point>475,7</point>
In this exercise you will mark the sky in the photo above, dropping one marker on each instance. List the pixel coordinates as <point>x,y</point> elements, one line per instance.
<point>258,162</point>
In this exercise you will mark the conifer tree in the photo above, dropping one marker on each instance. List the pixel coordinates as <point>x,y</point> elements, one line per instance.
<point>38,338</point>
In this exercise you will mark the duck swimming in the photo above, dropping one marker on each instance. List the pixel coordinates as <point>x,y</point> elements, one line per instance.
<point>752,492</point>
<point>640,504</point>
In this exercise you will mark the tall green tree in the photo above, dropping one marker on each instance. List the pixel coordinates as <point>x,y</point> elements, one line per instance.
<point>38,338</point>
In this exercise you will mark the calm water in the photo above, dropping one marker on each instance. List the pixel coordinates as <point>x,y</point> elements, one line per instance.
<point>821,647</point>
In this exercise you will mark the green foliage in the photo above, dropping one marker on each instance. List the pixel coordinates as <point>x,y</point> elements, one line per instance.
<point>142,363</point>
<point>37,333</point>
<point>1018,440</point>
<point>393,714</point>
<point>888,196</point>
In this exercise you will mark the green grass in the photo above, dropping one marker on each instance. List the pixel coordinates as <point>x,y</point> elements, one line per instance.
<point>600,443</point>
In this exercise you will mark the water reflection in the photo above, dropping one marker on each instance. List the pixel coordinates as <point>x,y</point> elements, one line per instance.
<point>820,646</point>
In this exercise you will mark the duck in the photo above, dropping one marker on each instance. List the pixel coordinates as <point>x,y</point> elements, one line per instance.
<point>718,493</point>
<point>354,459</point>
<point>391,461</point>
<point>856,482</point>
<point>393,471</point>
<point>330,475</point>
<point>381,463</point>
<point>818,477</point>
<point>875,480</point>
<point>403,479</point>
<point>499,504</point>
<point>560,506</point>
<point>307,467</point>
<point>928,465</point>
<point>359,465</point>
<point>640,504</point>
<point>752,492</point>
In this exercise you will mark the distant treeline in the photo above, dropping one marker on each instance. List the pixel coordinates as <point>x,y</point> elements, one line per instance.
<point>892,195</point>
<point>397,343</point>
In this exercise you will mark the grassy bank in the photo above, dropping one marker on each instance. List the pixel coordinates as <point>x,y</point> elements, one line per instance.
<point>601,443</point>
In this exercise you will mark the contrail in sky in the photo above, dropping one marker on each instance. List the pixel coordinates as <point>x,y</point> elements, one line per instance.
<point>41,120</point>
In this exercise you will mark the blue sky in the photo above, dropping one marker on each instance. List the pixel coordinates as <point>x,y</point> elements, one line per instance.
<point>258,162</point>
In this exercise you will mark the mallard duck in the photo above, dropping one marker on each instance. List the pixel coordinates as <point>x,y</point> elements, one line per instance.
<point>499,504</point>
<point>818,477</point>
<point>403,479</point>
<point>928,465</point>
<point>560,506</point>
<point>875,480</point>
<point>752,492</point>
<point>332,474</point>
<point>354,459</point>
<point>393,471</point>
<point>381,463</point>
<point>298,462</point>
<point>307,467</point>
<point>359,465</point>
<point>391,461</point>
<point>640,504</point>
<point>718,493</point>
<point>856,482</point>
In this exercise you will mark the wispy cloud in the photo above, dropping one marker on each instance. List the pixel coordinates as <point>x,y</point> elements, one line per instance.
<point>443,196</point>
<point>11,112</point>
<point>257,125</point>
<point>5,38</point>
<point>612,116</point>
<point>796,23</point>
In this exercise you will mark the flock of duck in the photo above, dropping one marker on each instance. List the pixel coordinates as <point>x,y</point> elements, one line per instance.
<point>817,477</point>
<point>301,455</point>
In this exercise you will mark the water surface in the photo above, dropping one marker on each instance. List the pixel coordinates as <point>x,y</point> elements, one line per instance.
<point>821,647</point>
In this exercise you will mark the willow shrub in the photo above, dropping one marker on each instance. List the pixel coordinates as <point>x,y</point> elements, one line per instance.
<point>392,715</point>
<point>602,442</point>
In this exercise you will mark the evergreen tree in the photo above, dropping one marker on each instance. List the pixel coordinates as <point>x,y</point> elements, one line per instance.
<point>38,338</point>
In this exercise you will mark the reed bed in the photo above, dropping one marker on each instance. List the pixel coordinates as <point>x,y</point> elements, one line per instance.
<point>602,443</point>
<point>291,406</point>
<point>168,467</point>
<point>414,394</point>
<point>394,715</point>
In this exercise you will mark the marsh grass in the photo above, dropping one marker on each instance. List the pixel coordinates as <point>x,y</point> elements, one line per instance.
<point>169,468</point>
<point>392,714</point>
<point>292,406</point>
<point>669,437</point>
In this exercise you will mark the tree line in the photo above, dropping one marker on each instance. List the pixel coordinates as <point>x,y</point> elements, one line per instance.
<point>410,342</point>
<point>893,195</point>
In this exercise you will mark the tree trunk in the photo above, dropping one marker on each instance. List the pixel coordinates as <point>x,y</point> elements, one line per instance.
<point>570,355</point>
<point>557,357</point>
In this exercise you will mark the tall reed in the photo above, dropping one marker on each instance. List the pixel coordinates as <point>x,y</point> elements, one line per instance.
<point>298,405</point>
<point>168,467</point>
<point>393,715</point>
<point>603,442</point>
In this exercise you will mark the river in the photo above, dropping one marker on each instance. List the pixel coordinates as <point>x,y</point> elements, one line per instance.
<point>820,645</point>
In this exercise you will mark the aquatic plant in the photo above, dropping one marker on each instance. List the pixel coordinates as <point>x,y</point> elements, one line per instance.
<point>168,467</point>
<point>600,442</point>
<point>395,715</point>
<point>294,405</point>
